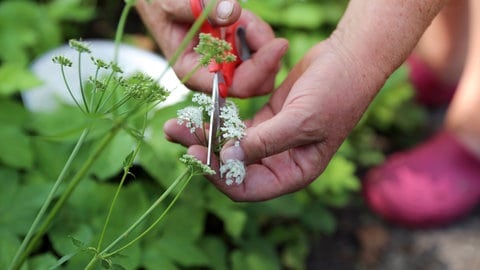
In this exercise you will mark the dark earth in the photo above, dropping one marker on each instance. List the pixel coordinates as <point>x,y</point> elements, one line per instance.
<point>364,242</point>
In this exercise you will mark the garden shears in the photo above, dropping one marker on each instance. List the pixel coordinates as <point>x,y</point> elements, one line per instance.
<point>223,72</point>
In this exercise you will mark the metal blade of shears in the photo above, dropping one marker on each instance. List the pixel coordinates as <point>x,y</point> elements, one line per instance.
<point>217,103</point>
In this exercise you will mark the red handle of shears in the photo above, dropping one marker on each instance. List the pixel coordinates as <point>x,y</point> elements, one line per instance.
<point>230,35</point>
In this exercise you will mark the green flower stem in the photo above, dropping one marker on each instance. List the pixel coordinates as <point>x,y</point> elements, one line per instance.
<point>126,171</point>
<point>118,40</point>
<point>102,95</point>
<point>186,175</point>
<point>154,224</point>
<point>94,90</point>
<point>21,253</point>
<point>147,213</point>
<point>70,90</point>
<point>66,194</point>
<point>189,36</point>
<point>190,74</point>
<point>82,90</point>
<point>121,28</point>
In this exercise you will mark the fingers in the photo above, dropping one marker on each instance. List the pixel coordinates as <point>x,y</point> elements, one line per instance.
<point>256,76</point>
<point>177,133</point>
<point>224,13</point>
<point>275,176</point>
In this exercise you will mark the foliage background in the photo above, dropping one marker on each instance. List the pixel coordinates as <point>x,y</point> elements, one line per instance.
<point>205,230</point>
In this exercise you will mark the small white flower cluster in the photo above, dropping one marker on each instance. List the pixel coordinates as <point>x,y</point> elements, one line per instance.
<point>192,116</point>
<point>232,127</point>
<point>204,101</point>
<point>234,171</point>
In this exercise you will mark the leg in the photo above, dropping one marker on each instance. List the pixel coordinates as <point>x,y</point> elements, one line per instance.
<point>443,46</point>
<point>463,116</point>
<point>439,180</point>
<point>437,62</point>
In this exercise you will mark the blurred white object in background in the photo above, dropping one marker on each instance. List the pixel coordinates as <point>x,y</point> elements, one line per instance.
<point>53,91</point>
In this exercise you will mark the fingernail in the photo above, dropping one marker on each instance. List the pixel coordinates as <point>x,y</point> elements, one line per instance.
<point>232,152</point>
<point>224,9</point>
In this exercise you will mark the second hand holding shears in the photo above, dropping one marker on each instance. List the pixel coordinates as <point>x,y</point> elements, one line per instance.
<point>223,72</point>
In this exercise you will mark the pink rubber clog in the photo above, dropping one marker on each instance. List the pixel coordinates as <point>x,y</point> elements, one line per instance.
<point>429,185</point>
<point>430,91</point>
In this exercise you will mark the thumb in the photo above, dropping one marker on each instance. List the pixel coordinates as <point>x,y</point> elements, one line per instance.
<point>285,130</point>
<point>224,13</point>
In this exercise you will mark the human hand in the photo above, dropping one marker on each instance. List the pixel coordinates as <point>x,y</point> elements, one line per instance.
<point>290,141</point>
<point>169,21</point>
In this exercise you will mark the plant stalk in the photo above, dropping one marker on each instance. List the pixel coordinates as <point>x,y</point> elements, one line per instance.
<point>66,194</point>
<point>16,263</point>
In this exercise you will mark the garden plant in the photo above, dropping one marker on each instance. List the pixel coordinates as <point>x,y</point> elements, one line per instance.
<point>95,184</point>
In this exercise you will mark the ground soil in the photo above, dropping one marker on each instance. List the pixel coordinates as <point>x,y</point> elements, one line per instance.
<point>365,242</point>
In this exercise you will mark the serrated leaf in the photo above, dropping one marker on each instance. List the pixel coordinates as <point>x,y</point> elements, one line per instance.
<point>77,243</point>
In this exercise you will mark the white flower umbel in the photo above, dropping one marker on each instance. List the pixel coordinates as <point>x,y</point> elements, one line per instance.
<point>232,127</point>
<point>192,116</point>
<point>234,171</point>
<point>204,101</point>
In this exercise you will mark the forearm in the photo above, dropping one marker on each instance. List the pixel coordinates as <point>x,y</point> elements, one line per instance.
<point>373,38</point>
<point>376,36</point>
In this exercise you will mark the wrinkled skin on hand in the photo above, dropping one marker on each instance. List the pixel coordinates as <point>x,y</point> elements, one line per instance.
<point>290,141</point>
<point>169,21</point>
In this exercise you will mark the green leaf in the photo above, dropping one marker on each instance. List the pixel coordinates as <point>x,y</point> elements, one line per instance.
<point>78,243</point>
<point>9,246</point>
<point>153,259</point>
<point>318,218</point>
<point>234,218</point>
<point>13,113</point>
<point>25,31</point>
<point>70,10</point>
<point>216,250</point>
<point>43,261</point>
<point>19,203</point>
<point>66,123</point>
<point>62,261</point>
<point>179,250</point>
<point>84,215</point>
<point>184,221</point>
<point>16,78</point>
<point>15,147</point>
<point>111,161</point>
<point>158,156</point>
<point>337,181</point>
<point>118,267</point>
<point>257,255</point>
